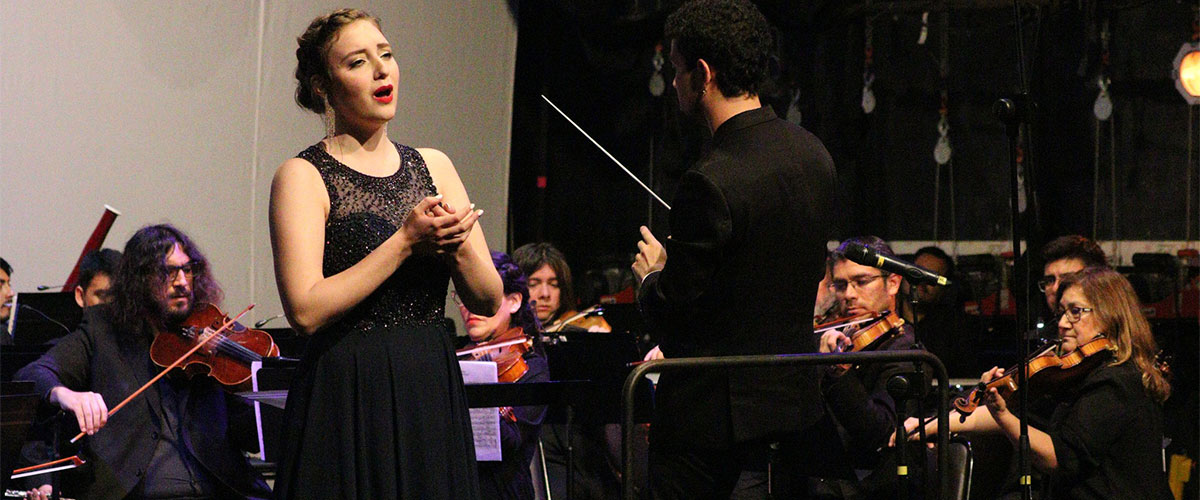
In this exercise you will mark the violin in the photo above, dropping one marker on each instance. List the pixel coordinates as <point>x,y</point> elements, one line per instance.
<point>585,319</point>
<point>1046,372</point>
<point>226,355</point>
<point>871,329</point>
<point>507,350</point>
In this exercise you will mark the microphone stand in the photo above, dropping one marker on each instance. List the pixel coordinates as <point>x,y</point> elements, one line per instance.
<point>1017,113</point>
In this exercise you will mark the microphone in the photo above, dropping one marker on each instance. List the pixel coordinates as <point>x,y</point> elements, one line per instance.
<point>268,320</point>
<point>42,288</point>
<point>860,254</point>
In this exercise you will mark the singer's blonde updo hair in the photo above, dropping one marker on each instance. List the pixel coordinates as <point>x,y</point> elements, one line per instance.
<point>312,53</point>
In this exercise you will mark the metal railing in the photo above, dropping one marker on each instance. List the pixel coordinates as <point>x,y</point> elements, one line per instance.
<point>686,364</point>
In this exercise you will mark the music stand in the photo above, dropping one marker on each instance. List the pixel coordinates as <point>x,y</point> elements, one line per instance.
<point>43,317</point>
<point>604,359</point>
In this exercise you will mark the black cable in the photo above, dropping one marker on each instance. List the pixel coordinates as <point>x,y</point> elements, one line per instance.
<point>42,314</point>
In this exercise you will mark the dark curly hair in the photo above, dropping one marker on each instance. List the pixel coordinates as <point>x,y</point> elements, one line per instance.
<point>732,36</point>
<point>515,282</point>
<point>312,53</point>
<point>141,275</point>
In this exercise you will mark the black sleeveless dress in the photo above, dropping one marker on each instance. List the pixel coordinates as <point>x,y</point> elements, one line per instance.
<point>377,409</point>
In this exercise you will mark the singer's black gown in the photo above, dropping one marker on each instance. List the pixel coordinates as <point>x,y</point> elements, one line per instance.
<point>377,409</point>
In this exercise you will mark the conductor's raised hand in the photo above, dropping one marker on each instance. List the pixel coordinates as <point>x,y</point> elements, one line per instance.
<point>651,255</point>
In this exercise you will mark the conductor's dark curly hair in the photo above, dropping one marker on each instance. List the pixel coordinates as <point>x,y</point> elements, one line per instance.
<point>141,275</point>
<point>732,36</point>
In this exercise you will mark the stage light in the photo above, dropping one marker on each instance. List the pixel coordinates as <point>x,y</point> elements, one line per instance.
<point>1187,72</point>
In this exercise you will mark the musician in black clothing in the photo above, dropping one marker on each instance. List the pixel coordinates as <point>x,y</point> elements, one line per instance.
<point>942,325</point>
<point>1104,439</point>
<point>748,230</point>
<point>176,440</point>
<point>96,272</point>
<point>856,396</point>
<point>509,478</point>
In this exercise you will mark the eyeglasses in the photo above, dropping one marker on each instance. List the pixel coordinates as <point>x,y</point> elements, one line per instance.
<point>1075,313</point>
<point>859,283</point>
<point>189,270</point>
<point>1045,282</point>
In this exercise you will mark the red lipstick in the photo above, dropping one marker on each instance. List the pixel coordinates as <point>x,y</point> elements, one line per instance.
<point>384,94</point>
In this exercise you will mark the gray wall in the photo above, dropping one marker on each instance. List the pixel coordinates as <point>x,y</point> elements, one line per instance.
<point>181,111</point>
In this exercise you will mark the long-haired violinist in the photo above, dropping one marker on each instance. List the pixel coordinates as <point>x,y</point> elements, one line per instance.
<point>176,441</point>
<point>1104,439</point>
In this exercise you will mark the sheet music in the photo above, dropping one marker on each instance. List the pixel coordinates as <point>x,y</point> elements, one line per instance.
<point>485,422</point>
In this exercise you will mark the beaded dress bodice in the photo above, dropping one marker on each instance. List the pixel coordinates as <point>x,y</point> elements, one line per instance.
<point>364,211</point>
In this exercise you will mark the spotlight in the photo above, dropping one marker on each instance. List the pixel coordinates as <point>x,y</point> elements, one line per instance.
<point>1187,72</point>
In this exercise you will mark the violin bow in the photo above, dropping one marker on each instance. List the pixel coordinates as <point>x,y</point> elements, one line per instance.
<point>605,151</point>
<point>160,375</point>
<point>488,347</point>
<point>48,467</point>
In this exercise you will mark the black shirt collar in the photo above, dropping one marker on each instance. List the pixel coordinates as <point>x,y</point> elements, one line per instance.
<point>743,120</point>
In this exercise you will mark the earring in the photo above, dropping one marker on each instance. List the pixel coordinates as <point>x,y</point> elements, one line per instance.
<point>330,121</point>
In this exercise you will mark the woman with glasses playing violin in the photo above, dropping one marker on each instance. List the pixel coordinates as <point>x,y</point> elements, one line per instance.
<point>1104,439</point>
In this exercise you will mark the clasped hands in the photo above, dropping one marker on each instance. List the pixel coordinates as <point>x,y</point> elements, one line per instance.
<point>435,227</point>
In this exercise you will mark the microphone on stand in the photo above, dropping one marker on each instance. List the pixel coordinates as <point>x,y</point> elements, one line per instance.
<point>268,320</point>
<point>42,288</point>
<point>860,254</point>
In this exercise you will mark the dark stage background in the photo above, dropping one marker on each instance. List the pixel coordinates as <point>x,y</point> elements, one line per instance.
<point>594,59</point>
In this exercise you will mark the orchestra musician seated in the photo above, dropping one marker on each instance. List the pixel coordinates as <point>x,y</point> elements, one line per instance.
<point>509,478</point>
<point>939,317</point>
<point>6,297</point>
<point>856,397</point>
<point>593,463</point>
<point>176,440</point>
<point>552,290</point>
<point>96,272</point>
<point>1104,439</point>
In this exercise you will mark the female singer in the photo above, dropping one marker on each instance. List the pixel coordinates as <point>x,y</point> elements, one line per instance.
<point>510,478</point>
<point>1105,437</point>
<point>366,234</point>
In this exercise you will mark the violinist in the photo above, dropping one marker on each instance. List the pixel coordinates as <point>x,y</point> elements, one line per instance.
<point>178,440</point>
<point>593,468</point>
<point>1104,439</point>
<point>552,290</point>
<point>510,478</point>
<point>856,396</point>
